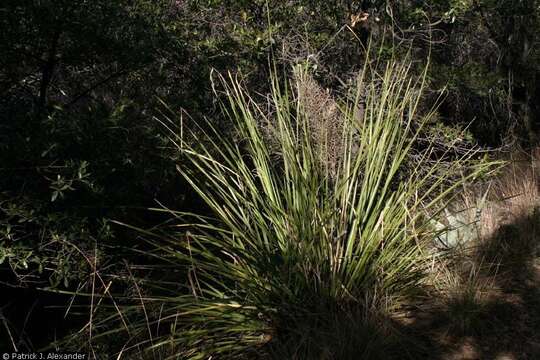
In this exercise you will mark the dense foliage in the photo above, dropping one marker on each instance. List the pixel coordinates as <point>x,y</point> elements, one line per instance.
<point>85,84</point>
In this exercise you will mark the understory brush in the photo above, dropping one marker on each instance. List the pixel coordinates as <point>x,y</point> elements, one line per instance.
<point>318,231</point>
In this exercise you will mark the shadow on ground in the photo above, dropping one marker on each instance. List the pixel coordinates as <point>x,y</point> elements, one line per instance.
<point>494,316</point>
<point>503,323</point>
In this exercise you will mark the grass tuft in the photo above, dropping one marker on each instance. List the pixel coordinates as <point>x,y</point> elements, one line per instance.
<point>320,223</point>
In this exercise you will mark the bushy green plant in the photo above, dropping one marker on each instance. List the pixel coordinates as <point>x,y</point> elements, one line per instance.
<point>296,247</point>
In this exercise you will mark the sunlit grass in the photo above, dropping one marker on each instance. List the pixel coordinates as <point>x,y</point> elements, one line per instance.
<point>301,258</point>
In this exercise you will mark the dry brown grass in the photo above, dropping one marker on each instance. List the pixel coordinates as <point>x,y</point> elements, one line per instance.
<point>486,291</point>
<point>511,195</point>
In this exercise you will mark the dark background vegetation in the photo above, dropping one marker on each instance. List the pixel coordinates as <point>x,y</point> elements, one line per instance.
<point>82,83</point>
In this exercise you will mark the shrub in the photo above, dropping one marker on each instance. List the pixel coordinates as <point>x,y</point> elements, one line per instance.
<point>300,243</point>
